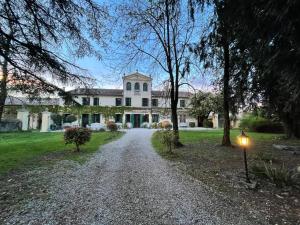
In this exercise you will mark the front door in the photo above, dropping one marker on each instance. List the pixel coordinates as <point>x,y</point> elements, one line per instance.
<point>137,121</point>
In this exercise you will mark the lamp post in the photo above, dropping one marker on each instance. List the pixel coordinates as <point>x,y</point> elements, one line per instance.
<point>243,141</point>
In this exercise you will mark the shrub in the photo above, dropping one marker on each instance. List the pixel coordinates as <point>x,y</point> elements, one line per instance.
<point>154,126</point>
<point>167,139</point>
<point>280,176</point>
<point>165,125</point>
<point>112,126</point>
<point>208,123</point>
<point>70,118</point>
<point>192,124</point>
<point>260,124</point>
<point>77,136</point>
<point>57,119</point>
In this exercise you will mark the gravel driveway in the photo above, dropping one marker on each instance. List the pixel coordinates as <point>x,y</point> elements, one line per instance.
<point>127,183</point>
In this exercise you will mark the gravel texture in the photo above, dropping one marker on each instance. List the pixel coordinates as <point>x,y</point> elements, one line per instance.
<point>127,183</point>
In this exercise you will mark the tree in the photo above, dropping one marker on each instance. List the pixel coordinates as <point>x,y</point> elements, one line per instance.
<point>160,31</point>
<point>274,51</point>
<point>204,103</point>
<point>77,136</point>
<point>215,49</point>
<point>35,36</point>
<point>267,56</point>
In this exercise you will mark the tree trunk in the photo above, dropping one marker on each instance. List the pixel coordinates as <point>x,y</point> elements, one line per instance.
<point>77,147</point>
<point>291,126</point>
<point>175,125</point>
<point>226,135</point>
<point>3,87</point>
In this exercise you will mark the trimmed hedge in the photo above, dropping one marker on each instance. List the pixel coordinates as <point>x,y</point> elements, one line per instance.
<point>260,124</point>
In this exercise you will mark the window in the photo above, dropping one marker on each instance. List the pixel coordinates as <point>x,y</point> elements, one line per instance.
<point>128,101</point>
<point>128,86</point>
<point>118,118</point>
<point>85,101</point>
<point>155,102</point>
<point>137,86</point>
<point>182,118</point>
<point>96,118</point>
<point>145,118</point>
<point>96,101</point>
<point>65,117</point>
<point>145,87</point>
<point>182,103</point>
<point>145,101</point>
<point>118,101</point>
<point>127,118</point>
<point>155,118</point>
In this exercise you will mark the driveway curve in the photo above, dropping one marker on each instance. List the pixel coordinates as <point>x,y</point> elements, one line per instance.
<point>128,183</point>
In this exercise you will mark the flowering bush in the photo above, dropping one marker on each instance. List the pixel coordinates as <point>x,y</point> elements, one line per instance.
<point>77,136</point>
<point>165,125</point>
<point>112,126</point>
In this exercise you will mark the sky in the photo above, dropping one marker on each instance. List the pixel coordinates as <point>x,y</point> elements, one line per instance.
<point>109,70</point>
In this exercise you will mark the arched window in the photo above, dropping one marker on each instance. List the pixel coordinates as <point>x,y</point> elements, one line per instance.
<point>137,86</point>
<point>128,86</point>
<point>145,87</point>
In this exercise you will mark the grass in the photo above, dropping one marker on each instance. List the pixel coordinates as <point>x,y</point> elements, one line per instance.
<point>222,168</point>
<point>27,149</point>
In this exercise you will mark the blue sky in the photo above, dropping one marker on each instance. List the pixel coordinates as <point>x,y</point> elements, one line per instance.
<point>109,70</point>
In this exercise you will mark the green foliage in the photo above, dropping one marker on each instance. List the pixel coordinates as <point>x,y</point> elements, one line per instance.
<point>208,123</point>
<point>203,103</point>
<point>280,176</point>
<point>77,136</point>
<point>57,119</point>
<point>154,125</point>
<point>192,124</point>
<point>259,124</point>
<point>112,126</point>
<point>167,138</point>
<point>70,118</point>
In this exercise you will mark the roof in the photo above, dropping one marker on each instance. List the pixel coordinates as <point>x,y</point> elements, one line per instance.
<point>119,92</point>
<point>11,100</point>
<point>97,91</point>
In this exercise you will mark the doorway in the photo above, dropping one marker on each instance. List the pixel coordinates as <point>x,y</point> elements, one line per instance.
<point>85,120</point>
<point>136,120</point>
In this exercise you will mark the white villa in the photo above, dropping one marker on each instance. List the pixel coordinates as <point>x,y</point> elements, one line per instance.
<point>141,105</point>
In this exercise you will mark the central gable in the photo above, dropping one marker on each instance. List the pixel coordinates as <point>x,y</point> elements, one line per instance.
<point>137,77</point>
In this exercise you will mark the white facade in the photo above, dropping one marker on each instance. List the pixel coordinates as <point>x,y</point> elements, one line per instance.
<point>145,104</point>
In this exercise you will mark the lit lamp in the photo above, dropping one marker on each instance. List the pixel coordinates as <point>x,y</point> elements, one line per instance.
<point>243,141</point>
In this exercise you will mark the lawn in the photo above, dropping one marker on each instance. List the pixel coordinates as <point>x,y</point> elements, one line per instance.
<point>222,169</point>
<point>27,149</point>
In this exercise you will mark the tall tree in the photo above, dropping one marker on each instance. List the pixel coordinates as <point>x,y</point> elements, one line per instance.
<point>35,36</point>
<point>160,31</point>
<point>215,49</point>
<point>269,54</point>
